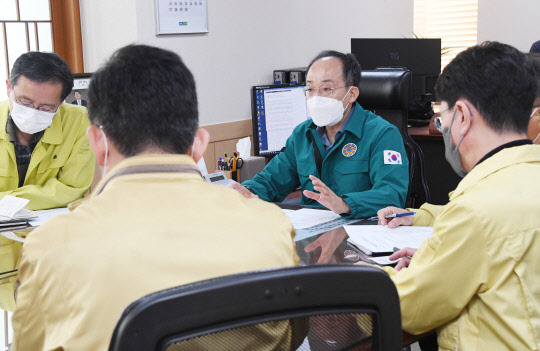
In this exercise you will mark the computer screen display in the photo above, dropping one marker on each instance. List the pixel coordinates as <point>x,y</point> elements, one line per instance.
<point>276,111</point>
<point>421,56</point>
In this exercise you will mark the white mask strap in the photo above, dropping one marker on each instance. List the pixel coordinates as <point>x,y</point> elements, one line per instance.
<point>532,114</point>
<point>348,91</point>
<point>104,169</point>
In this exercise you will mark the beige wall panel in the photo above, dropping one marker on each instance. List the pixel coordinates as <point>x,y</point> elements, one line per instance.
<point>231,130</point>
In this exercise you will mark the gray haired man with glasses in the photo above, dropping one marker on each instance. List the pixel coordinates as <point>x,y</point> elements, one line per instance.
<point>344,158</point>
<point>45,156</point>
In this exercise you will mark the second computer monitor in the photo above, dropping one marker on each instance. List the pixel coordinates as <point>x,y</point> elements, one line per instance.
<point>276,110</point>
<point>421,56</point>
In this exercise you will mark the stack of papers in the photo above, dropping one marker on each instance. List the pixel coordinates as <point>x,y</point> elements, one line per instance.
<point>11,207</point>
<point>12,213</point>
<point>308,222</point>
<point>37,219</point>
<point>381,240</point>
<point>307,217</point>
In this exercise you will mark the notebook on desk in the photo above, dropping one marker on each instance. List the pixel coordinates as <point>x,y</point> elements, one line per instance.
<point>377,240</point>
<point>11,208</point>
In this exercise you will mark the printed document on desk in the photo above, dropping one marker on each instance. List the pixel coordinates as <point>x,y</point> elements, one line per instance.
<point>376,239</point>
<point>308,217</point>
<point>311,222</point>
<point>11,208</point>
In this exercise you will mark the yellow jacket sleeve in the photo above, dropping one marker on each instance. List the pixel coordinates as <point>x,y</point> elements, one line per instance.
<point>426,214</point>
<point>428,290</point>
<point>10,254</point>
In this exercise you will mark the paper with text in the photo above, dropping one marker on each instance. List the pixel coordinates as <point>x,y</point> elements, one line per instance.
<point>10,205</point>
<point>377,238</point>
<point>307,217</point>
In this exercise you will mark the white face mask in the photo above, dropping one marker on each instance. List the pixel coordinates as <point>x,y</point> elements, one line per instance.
<point>326,111</point>
<point>29,120</point>
<point>104,168</point>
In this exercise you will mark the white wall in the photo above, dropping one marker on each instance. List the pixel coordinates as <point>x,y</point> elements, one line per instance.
<point>248,39</point>
<point>513,22</point>
<point>106,26</point>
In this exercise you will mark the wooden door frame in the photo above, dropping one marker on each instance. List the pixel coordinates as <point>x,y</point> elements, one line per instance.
<point>66,31</point>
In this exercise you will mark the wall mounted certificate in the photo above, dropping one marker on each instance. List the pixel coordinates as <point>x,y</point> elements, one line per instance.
<point>181,17</point>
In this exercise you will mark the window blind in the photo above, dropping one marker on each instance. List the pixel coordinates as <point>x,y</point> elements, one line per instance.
<point>454,21</point>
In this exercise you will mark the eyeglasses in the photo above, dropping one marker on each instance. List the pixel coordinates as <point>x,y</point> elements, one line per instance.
<point>438,123</point>
<point>438,120</point>
<point>323,91</point>
<point>40,108</point>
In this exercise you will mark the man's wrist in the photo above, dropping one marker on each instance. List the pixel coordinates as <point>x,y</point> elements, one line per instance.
<point>250,190</point>
<point>346,210</point>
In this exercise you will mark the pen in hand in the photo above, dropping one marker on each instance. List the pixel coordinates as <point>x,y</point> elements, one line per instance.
<point>394,215</point>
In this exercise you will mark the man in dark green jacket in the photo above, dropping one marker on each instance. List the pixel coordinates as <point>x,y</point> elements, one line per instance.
<point>345,158</point>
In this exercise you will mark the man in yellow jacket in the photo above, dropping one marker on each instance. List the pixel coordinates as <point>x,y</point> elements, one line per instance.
<point>476,279</point>
<point>152,222</point>
<point>45,156</point>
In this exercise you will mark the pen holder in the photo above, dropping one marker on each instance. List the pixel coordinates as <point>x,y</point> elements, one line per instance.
<point>236,175</point>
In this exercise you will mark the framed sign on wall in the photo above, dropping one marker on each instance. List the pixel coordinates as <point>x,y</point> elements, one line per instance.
<point>181,17</point>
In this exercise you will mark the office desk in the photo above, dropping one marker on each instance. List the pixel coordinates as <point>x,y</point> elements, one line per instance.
<point>329,247</point>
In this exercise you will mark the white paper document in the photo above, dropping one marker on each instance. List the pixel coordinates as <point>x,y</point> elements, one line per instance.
<point>379,239</point>
<point>307,217</point>
<point>45,215</point>
<point>11,207</point>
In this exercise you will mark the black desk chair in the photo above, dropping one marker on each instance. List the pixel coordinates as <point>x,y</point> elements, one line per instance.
<point>321,307</point>
<point>386,93</point>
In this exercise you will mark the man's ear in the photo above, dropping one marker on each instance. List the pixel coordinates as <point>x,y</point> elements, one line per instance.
<point>465,116</point>
<point>96,142</point>
<point>8,88</point>
<point>353,95</point>
<point>202,138</point>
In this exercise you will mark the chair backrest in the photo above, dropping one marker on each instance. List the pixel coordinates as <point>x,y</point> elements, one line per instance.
<point>386,92</point>
<point>319,307</point>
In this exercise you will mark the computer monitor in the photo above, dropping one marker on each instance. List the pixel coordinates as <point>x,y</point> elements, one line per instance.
<point>421,56</point>
<point>276,110</point>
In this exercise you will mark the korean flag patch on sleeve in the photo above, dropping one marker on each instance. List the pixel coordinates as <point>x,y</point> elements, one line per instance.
<point>391,157</point>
